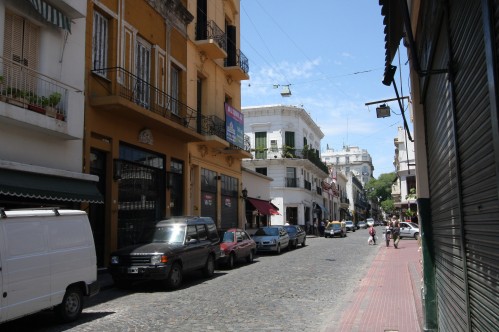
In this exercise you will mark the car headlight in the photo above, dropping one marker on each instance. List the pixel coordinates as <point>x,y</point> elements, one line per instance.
<point>115,259</point>
<point>222,253</point>
<point>159,259</point>
<point>274,241</point>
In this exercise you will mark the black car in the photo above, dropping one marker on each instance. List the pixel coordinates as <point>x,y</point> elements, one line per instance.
<point>297,235</point>
<point>166,250</point>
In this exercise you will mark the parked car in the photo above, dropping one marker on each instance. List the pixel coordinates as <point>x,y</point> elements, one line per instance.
<point>350,226</point>
<point>409,229</point>
<point>236,244</point>
<point>370,222</point>
<point>271,238</point>
<point>297,235</point>
<point>166,250</point>
<point>362,224</point>
<point>47,260</point>
<point>335,228</point>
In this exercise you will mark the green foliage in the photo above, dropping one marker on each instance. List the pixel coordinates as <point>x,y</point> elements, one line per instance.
<point>381,188</point>
<point>54,99</point>
<point>388,206</point>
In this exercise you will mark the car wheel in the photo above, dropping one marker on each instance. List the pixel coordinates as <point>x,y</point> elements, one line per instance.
<point>209,268</point>
<point>175,277</point>
<point>303,243</point>
<point>416,236</point>
<point>249,258</point>
<point>71,305</point>
<point>278,250</point>
<point>354,230</point>
<point>231,261</point>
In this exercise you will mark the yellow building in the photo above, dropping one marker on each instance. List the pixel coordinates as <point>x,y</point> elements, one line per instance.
<point>163,129</point>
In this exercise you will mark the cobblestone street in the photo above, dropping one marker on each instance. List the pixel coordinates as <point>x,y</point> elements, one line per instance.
<point>299,290</point>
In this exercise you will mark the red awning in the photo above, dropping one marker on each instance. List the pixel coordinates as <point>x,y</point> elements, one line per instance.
<point>264,207</point>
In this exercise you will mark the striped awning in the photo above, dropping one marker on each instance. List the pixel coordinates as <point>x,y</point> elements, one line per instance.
<point>52,14</point>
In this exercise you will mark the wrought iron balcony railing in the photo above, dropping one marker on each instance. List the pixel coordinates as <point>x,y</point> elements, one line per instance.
<point>211,31</point>
<point>292,153</point>
<point>139,91</point>
<point>238,59</point>
<point>291,182</point>
<point>27,88</point>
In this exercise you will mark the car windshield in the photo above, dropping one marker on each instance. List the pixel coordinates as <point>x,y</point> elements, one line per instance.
<point>164,234</point>
<point>414,225</point>
<point>227,237</point>
<point>291,229</point>
<point>348,222</point>
<point>267,231</point>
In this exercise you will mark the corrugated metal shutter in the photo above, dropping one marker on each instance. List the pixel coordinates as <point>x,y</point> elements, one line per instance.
<point>444,196</point>
<point>480,204</point>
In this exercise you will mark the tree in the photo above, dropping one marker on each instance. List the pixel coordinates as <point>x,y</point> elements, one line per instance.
<point>381,188</point>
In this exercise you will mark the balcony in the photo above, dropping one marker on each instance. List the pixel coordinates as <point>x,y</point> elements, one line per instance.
<point>214,132</point>
<point>119,91</point>
<point>33,99</point>
<point>211,40</point>
<point>237,66</point>
<point>290,153</point>
<point>291,182</point>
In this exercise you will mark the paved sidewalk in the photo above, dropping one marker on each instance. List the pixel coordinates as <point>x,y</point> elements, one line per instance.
<point>389,297</point>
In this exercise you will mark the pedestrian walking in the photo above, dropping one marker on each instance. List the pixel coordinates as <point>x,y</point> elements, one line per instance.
<point>396,234</point>
<point>388,233</point>
<point>372,233</point>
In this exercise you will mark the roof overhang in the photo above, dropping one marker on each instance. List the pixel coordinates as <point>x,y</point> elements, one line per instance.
<point>393,13</point>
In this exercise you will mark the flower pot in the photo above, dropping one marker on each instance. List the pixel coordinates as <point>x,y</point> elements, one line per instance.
<point>19,102</point>
<point>36,108</point>
<point>52,112</point>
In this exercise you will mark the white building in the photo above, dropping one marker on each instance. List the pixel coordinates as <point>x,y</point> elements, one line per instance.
<point>350,159</point>
<point>285,144</point>
<point>42,79</point>
<point>405,166</point>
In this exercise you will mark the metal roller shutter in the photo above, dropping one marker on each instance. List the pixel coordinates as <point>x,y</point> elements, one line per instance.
<point>444,197</point>
<point>480,205</point>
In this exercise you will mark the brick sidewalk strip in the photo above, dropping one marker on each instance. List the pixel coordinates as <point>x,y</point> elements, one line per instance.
<point>389,296</point>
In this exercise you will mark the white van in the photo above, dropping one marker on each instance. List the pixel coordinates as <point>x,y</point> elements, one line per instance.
<point>47,260</point>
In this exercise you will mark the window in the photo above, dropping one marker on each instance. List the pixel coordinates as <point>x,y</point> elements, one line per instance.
<point>261,170</point>
<point>175,89</point>
<point>347,160</point>
<point>261,145</point>
<point>191,233</point>
<point>203,235</point>
<point>21,44</point>
<point>143,71</point>
<point>273,145</point>
<point>100,43</point>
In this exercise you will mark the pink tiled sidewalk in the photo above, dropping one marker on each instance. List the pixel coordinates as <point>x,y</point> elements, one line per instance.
<point>389,296</point>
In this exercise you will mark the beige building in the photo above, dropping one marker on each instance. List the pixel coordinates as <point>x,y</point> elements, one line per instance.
<point>163,130</point>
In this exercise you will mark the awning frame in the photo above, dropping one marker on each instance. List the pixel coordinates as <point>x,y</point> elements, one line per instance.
<point>52,14</point>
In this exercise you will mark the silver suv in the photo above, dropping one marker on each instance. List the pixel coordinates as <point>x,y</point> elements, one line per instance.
<point>409,229</point>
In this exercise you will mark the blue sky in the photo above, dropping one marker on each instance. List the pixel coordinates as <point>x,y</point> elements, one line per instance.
<point>332,55</point>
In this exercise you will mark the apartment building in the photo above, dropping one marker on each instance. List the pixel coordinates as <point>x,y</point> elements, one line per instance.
<point>285,144</point>
<point>404,188</point>
<point>163,130</point>
<point>351,159</point>
<point>41,105</point>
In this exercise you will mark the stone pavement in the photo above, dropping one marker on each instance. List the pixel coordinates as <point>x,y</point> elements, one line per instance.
<point>388,298</point>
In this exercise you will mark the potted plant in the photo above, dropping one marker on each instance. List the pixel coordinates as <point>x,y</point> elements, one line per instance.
<point>17,97</point>
<point>52,101</point>
<point>36,103</point>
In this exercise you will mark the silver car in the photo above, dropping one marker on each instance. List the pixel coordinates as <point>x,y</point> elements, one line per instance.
<point>409,229</point>
<point>271,238</point>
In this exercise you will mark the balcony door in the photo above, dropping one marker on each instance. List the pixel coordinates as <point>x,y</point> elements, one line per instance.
<point>143,72</point>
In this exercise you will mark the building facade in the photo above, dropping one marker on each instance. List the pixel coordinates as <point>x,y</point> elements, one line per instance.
<point>163,130</point>
<point>285,145</point>
<point>351,159</point>
<point>454,74</point>
<point>404,188</point>
<point>41,106</point>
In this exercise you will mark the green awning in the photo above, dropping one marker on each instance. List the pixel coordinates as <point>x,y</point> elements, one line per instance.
<point>50,187</point>
<point>52,14</point>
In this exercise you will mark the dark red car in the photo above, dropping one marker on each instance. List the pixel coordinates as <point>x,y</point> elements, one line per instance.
<point>236,244</point>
